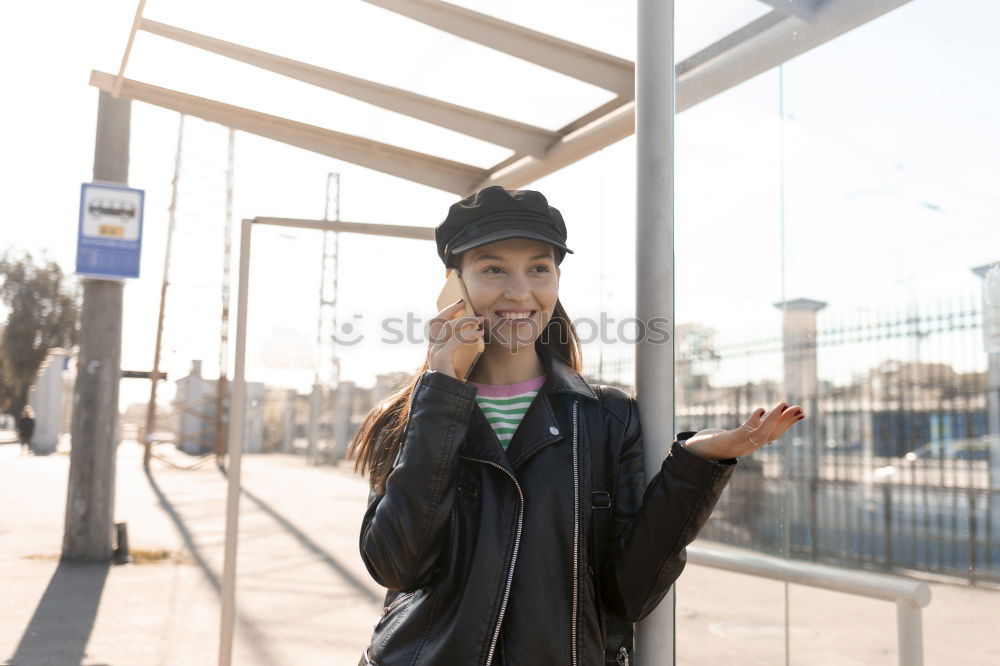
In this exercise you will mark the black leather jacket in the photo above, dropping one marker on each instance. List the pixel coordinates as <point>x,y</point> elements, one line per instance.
<point>485,552</point>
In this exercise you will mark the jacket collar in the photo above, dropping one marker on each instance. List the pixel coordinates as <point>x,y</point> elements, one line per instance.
<point>562,378</point>
<point>538,428</point>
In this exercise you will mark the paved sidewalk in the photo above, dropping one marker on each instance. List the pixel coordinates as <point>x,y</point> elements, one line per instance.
<point>303,591</point>
<point>305,597</point>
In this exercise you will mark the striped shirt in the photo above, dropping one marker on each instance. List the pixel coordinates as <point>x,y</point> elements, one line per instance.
<point>505,404</point>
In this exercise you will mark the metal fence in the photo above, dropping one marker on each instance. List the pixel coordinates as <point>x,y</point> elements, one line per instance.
<point>895,467</point>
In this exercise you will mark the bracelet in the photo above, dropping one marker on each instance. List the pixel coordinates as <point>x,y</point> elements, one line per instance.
<point>747,428</point>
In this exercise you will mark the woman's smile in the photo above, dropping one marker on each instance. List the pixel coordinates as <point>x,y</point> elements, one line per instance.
<point>517,316</point>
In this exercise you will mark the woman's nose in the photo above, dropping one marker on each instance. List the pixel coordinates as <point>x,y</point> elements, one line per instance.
<point>517,289</point>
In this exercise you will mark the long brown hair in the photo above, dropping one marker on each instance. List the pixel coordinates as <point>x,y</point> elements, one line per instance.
<point>377,441</point>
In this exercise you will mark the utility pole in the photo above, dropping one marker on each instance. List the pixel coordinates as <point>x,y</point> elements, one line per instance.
<point>90,495</point>
<point>154,378</point>
<point>326,328</point>
<point>222,386</point>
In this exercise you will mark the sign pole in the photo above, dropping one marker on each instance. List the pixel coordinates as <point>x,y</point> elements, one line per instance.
<point>90,494</point>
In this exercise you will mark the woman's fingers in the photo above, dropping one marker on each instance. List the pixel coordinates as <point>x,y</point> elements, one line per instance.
<point>446,315</point>
<point>791,416</point>
<point>442,327</point>
<point>768,426</point>
<point>447,335</point>
<point>755,418</point>
<point>460,327</point>
<point>449,311</point>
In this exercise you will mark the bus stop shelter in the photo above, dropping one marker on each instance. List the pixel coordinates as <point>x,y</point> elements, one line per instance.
<point>643,98</point>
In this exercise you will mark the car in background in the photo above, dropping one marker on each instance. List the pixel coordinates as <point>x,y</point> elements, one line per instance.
<point>953,454</point>
<point>971,448</point>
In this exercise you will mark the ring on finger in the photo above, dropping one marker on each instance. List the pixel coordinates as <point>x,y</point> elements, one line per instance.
<point>749,431</point>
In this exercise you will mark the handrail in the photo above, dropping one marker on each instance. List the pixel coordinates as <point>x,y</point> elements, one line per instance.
<point>908,595</point>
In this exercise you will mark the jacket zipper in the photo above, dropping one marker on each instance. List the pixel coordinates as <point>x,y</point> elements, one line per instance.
<point>513,559</point>
<point>576,528</point>
<point>395,602</point>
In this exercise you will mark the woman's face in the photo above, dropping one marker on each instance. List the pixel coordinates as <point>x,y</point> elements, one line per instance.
<point>515,283</point>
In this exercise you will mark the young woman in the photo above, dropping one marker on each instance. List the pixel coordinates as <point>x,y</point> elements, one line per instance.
<point>482,508</point>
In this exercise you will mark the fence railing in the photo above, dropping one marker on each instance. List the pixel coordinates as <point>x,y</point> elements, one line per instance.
<point>909,596</point>
<point>897,465</point>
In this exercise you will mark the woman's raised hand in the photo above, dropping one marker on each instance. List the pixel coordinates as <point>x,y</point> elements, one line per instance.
<point>760,429</point>
<point>447,335</point>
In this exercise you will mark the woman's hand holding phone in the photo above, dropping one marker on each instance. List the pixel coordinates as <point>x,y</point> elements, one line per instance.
<point>448,333</point>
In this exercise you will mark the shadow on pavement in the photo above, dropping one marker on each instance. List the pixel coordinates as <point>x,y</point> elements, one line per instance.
<point>58,632</point>
<point>313,547</point>
<point>247,628</point>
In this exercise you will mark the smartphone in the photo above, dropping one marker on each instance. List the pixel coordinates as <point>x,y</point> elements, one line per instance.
<point>466,355</point>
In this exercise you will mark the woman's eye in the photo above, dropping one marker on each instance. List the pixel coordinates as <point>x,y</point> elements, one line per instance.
<point>545,269</point>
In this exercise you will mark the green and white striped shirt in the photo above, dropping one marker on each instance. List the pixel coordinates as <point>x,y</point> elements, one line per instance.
<point>505,404</point>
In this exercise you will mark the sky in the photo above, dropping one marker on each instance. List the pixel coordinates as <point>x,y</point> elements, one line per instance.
<point>863,174</point>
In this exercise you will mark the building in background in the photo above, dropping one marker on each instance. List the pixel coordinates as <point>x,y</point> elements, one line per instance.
<point>52,399</point>
<point>195,408</point>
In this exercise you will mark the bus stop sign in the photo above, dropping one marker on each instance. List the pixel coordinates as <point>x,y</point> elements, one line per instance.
<point>109,237</point>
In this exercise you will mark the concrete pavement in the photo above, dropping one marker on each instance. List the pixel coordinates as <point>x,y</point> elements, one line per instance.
<point>305,597</point>
<point>304,594</point>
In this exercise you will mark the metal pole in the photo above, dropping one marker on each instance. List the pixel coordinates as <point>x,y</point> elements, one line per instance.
<point>910,638</point>
<point>222,388</point>
<point>90,494</point>
<point>315,403</point>
<point>237,409</point>
<point>654,374</point>
<point>154,377</point>
<point>288,424</point>
<point>336,270</point>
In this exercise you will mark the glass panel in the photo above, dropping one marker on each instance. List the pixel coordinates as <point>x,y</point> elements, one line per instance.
<point>836,218</point>
<point>729,357</point>
<point>888,214</point>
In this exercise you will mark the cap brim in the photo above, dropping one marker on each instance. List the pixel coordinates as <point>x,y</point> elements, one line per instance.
<point>504,234</point>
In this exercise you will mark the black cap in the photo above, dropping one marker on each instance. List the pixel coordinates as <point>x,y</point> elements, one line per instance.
<point>495,213</point>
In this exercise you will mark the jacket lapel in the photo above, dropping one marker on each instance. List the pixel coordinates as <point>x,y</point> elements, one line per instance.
<point>539,427</point>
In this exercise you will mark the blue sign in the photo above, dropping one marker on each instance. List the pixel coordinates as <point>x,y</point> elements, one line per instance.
<point>109,238</point>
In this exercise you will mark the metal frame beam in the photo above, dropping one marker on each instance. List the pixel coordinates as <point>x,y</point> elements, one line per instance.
<point>367,228</point>
<point>136,20</point>
<point>763,44</point>
<point>418,167</point>
<point>757,47</point>
<point>238,407</point>
<point>579,62</point>
<point>800,9</point>
<point>520,137</point>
